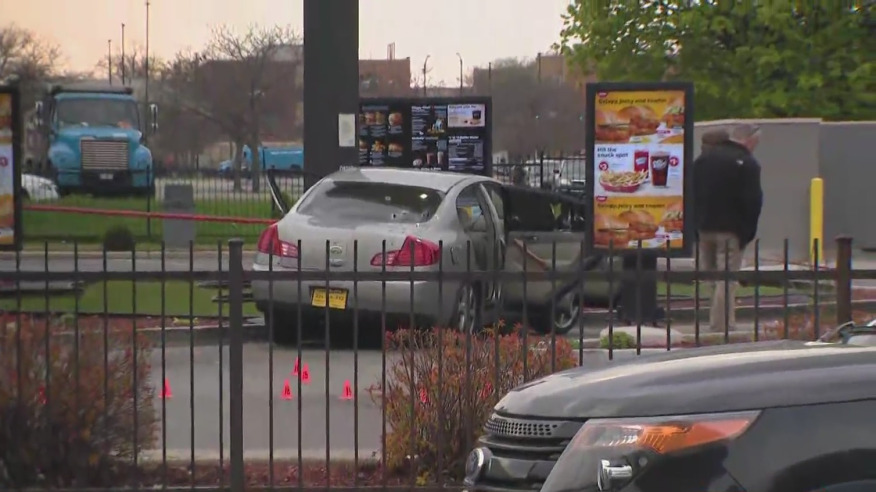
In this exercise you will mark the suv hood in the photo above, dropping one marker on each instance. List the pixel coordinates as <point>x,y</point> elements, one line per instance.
<point>704,380</point>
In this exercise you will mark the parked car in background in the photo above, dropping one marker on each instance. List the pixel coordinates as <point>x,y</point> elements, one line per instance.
<point>781,416</point>
<point>38,189</point>
<point>226,169</point>
<point>379,219</point>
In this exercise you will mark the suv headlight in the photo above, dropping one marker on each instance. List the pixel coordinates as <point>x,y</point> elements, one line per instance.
<point>607,454</point>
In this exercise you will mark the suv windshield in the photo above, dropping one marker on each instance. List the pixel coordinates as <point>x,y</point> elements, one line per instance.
<point>371,202</point>
<point>95,111</point>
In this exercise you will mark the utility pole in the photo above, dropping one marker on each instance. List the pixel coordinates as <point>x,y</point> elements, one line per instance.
<point>124,63</point>
<point>460,73</point>
<point>109,60</point>
<point>538,61</point>
<point>146,65</point>
<point>425,64</point>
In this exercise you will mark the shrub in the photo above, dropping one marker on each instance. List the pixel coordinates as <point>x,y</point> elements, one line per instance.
<point>77,429</point>
<point>619,340</point>
<point>439,395</point>
<point>118,238</point>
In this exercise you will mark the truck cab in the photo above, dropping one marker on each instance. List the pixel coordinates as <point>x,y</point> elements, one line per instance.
<point>92,139</point>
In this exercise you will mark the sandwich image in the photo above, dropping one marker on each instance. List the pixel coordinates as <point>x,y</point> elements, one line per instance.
<point>673,218</point>
<point>643,120</point>
<point>642,224</point>
<point>673,117</point>
<point>611,127</point>
<point>611,231</point>
<point>7,211</point>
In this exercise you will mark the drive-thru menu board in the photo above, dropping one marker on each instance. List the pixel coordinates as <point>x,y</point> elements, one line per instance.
<point>426,133</point>
<point>639,154</point>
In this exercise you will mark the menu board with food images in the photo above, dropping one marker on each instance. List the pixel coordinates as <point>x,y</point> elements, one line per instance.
<point>637,165</point>
<point>425,133</point>
<point>382,135</point>
<point>7,172</point>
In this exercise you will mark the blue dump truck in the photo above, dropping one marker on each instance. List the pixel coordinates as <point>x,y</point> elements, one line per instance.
<point>280,159</point>
<point>90,138</point>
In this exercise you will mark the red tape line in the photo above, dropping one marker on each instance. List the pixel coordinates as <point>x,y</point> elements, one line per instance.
<point>146,215</point>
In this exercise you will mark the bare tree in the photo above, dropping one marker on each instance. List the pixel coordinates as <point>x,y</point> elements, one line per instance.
<point>26,58</point>
<point>133,65</point>
<point>238,82</point>
<point>531,115</point>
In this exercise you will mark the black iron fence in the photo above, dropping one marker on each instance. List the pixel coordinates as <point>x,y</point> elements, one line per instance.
<point>241,370</point>
<point>131,196</point>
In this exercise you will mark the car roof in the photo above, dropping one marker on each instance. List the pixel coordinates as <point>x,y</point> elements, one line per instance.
<point>436,180</point>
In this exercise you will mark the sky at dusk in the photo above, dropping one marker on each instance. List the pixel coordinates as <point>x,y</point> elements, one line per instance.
<point>480,30</point>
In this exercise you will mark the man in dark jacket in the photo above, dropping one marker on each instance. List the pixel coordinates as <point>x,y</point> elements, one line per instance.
<point>727,204</point>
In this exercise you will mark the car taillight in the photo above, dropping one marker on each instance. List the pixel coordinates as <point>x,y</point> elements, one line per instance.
<point>413,252</point>
<point>270,244</point>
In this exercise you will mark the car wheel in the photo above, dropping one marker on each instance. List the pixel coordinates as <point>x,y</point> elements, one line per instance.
<point>467,316</point>
<point>563,317</point>
<point>281,326</point>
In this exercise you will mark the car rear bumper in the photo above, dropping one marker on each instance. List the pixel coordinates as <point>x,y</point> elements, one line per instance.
<point>424,300</point>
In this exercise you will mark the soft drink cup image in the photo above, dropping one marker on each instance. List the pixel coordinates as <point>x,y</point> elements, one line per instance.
<point>659,167</point>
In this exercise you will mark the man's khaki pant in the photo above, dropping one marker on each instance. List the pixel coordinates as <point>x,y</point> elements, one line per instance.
<point>719,251</point>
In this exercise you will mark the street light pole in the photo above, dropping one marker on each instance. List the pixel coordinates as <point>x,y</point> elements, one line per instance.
<point>460,73</point>
<point>123,53</point>
<point>425,64</point>
<point>109,60</point>
<point>146,66</point>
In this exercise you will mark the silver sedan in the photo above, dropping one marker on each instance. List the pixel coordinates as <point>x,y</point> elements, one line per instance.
<point>369,220</point>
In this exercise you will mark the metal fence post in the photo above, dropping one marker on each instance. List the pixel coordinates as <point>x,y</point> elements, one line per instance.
<point>843,279</point>
<point>235,360</point>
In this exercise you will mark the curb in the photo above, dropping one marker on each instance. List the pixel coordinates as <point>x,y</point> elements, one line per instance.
<point>742,312</point>
<point>205,335</point>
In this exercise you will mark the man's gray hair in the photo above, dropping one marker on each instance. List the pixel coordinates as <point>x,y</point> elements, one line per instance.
<point>744,131</point>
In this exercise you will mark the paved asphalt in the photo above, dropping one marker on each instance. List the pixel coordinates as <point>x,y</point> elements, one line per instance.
<point>325,419</point>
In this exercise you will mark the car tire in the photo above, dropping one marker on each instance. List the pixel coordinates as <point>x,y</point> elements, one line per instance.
<point>281,326</point>
<point>467,315</point>
<point>562,317</point>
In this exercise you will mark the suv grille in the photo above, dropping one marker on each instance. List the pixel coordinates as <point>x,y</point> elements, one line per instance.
<point>524,451</point>
<point>104,154</point>
<point>506,427</point>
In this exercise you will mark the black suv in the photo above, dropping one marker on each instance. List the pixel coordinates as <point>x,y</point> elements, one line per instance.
<point>762,417</point>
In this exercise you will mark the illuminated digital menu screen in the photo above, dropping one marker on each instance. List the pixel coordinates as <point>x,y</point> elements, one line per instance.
<point>424,134</point>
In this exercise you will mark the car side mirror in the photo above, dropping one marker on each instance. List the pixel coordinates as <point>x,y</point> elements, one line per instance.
<point>153,118</point>
<point>513,223</point>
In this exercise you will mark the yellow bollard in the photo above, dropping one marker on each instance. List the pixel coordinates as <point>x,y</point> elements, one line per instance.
<point>816,220</point>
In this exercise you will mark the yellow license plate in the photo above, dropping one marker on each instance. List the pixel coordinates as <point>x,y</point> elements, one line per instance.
<point>337,298</point>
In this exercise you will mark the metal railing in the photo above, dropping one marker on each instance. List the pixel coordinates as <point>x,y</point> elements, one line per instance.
<point>155,370</point>
<point>215,194</point>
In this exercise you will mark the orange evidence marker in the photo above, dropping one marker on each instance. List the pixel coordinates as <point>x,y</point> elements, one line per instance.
<point>287,391</point>
<point>166,392</point>
<point>348,391</point>
<point>305,374</point>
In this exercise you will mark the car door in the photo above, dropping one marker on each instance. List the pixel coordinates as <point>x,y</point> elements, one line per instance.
<point>478,224</point>
<point>544,232</point>
<point>493,192</point>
